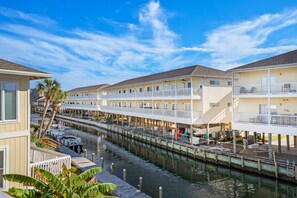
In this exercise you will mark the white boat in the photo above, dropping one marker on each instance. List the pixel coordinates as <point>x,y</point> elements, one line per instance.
<point>69,140</point>
<point>56,132</point>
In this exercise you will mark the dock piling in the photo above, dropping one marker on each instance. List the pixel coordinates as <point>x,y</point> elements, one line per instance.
<point>102,162</point>
<point>140,183</point>
<point>85,153</point>
<point>112,168</point>
<point>93,157</point>
<point>124,174</point>
<point>160,192</point>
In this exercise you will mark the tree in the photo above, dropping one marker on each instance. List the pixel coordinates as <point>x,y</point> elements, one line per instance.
<point>57,98</point>
<point>48,87</point>
<point>67,184</point>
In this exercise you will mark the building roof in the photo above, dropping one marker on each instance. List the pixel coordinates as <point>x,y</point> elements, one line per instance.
<point>196,70</point>
<point>89,88</point>
<point>279,60</point>
<point>7,67</point>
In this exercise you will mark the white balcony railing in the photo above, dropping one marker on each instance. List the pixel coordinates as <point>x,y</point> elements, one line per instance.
<point>154,94</point>
<point>262,89</point>
<point>85,97</point>
<point>284,88</point>
<point>154,112</point>
<point>48,160</point>
<point>275,119</point>
<point>80,106</point>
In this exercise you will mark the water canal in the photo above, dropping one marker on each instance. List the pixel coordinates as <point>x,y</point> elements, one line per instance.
<point>180,177</point>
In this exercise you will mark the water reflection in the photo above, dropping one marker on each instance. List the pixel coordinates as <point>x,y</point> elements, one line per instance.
<point>178,175</point>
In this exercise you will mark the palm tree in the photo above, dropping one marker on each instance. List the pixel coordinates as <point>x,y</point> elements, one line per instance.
<point>57,98</point>
<point>67,184</point>
<point>48,87</point>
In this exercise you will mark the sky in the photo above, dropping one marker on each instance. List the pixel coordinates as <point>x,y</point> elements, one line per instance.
<point>106,41</point>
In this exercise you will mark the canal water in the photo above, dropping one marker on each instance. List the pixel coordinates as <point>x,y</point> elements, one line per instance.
<point>179,176</point>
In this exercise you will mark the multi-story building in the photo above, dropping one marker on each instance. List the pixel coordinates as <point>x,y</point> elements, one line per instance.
<point>192,96</point>
<point>84,100</point>
<point>266,97</point>
<point>15,118</point>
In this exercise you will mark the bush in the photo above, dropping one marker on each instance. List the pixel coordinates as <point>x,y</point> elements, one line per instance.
<point>40,144</point>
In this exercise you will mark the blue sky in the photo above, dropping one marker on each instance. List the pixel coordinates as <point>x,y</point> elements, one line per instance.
<point>92,42</point>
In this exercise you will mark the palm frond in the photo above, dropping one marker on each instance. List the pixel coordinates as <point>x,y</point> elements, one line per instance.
<point>53,182</point>
<point>23,193</point>
<point>99,188</point>
<point>26,181</point>
<point>88,173</point>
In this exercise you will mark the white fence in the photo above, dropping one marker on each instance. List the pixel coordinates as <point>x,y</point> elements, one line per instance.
<point>48,160</point>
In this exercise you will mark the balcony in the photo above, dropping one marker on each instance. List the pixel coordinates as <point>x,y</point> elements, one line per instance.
<point>288,88</point>
<point>275,119</point>
<point>81,106</point>
<point>86,97</point>
<point>171,93</point>
<point>48,160</point>
<point>172,115</point>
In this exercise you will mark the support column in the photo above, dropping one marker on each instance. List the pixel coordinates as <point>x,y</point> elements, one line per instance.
<point>270,145</point>
<point>234,141</point>
<point>129,121</point>
<point>163,127</point>
<point>279,143</point>
<point>246,134</point>
<point>191,132</point>
<point>255,137</point>
<point>288,142</point>
<point>263,138</point>
<point>176,132</point>
<point>295,141</point>
<point>122,120</point>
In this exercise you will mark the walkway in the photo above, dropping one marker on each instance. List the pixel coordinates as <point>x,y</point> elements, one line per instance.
<point>123,189</point>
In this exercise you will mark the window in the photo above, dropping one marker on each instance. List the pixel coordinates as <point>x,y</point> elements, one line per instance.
<point>187,85</point>
<point>156,88</point>
<point>165,106</point>
<point>9,98</point>
<point>2,167</point>
<point>140,89</point>
<point>229,104</point>
<point>141,104</point>
<point>214,82</point>
<point>124,91</point>
<point>214,104</point>
<point>188,107</point>
<point>174,106</point>
<point>229,83</point>
<point>156,105</point>
<point>273,109</point>
<point>148,89</point>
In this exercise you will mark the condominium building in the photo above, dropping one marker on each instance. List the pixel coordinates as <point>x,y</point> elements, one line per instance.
<point>192,96</point>
<point>84,100</point>
<point>266,97</point>
<point>15,118</point>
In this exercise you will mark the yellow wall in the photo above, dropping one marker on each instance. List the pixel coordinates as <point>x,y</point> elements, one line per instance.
<point>17,156</point>
<point>23,98</point>
<point>285,74</point>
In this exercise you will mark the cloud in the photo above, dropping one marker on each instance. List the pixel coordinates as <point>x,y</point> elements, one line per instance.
<point>230,44</point>
<point>34,18</point>
<point>77,57</point>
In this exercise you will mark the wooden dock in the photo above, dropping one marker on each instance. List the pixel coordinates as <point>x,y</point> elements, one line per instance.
<point>123,189</point>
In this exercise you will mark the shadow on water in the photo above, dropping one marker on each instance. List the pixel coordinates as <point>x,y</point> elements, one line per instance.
<point>178,175</point>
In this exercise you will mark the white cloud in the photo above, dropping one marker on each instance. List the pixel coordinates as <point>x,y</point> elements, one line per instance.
<point>77,57</point>
<point>229,44</point>
<point>16,14</point>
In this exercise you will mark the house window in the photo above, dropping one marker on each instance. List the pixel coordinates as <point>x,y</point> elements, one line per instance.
<point>187,85</point>
<point>188,107</point>
<point>156,88</point>
<point>140,89</point>
<point>2,167</point>
<point>141,104</point>
<point>9,98</point>
<point>214,104</point>
<point>229,83</point>
<point>214,82</point>
<point>148,89</point>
